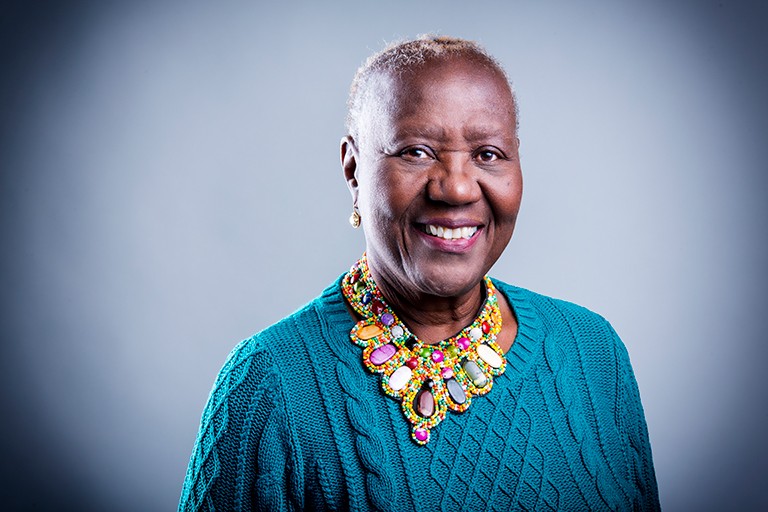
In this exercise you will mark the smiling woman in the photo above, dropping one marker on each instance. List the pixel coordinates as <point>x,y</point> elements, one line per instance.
<point>416,382</point>
<point>443,157</point>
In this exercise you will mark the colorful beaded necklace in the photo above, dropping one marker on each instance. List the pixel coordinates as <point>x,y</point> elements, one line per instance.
<point>427,379</point>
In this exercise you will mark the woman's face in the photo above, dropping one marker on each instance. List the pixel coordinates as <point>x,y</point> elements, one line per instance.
<point>436,176</point>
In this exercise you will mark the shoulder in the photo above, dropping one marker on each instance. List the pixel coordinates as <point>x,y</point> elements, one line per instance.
<point>254,358</point>
<point>574,329</point>
<point>306,323</point>
<point>278,353</point>
<point>552,312</point>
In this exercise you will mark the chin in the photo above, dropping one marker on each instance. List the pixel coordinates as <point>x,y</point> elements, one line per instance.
<point>446,282</point>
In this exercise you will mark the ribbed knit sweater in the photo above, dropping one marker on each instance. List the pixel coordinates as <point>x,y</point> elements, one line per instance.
<point>296,422</point>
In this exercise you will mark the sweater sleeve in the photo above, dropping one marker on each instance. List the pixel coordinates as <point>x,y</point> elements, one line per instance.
<point>635,430</point>
<point>242,459</point>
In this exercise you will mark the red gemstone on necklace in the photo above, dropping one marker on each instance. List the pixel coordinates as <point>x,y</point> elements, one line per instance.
<point>412,363</point>
<point>486,327</point>
<point>377,307</point>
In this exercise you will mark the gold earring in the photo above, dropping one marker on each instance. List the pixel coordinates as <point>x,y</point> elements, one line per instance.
<point>354,219</point>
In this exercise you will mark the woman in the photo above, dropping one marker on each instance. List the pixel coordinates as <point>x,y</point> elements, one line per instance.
<point>414,382</point>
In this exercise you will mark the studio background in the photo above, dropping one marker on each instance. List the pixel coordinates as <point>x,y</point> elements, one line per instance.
<point>171,184</point>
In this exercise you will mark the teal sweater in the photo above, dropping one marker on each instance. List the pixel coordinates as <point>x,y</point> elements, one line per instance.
<point>296,422</point>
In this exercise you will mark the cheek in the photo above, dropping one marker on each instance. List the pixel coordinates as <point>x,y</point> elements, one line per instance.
<point>506,199</point>
<point>387,194</point>
<point>513,202</point>
<point>506,208</point>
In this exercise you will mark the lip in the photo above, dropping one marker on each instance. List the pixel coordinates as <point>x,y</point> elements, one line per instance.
<point>457,245</point>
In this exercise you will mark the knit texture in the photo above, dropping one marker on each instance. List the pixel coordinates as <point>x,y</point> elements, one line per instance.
<point>296,422</point>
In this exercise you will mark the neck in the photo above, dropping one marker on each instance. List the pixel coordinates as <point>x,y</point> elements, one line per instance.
<point>432,318</point>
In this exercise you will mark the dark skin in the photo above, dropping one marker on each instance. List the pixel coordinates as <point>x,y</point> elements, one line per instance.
<point>437,149</point>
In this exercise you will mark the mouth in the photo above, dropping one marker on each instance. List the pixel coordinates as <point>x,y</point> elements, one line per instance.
<point>446,233</point>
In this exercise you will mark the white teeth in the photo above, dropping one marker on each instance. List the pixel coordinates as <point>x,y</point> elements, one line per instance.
<point>451,234</point>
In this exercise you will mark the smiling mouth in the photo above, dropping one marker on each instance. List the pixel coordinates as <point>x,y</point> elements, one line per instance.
<point>465,232</point>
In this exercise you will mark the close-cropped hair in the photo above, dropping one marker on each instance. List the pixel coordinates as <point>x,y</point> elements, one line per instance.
<point>401,56</point>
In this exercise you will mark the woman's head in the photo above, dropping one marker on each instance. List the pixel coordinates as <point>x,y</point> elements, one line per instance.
<point>432,162</point>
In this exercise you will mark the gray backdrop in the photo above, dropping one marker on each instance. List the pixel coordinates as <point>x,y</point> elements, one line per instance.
<point>170,184</point>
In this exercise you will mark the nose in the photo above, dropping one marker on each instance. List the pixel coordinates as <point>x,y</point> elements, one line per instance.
<point>453,180</point>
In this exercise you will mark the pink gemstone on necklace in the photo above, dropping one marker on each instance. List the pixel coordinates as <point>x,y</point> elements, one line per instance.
<point>421,434</point>
<point>437,356</point>
<point>446,373</point>
<point>463,343</point>
<point>383,354</point>
<point>425,403</point>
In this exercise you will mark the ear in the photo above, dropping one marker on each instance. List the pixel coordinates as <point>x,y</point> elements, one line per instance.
<point>349,165</point>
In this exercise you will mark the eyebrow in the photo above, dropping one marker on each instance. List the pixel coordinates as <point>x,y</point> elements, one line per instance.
<point>479,134</point>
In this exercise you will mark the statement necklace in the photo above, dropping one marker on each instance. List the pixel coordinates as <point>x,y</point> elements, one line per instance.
<point>427,379</point>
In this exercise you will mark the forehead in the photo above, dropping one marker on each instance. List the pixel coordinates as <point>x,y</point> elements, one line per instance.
<point>437,91</point>
<point>471,70</point>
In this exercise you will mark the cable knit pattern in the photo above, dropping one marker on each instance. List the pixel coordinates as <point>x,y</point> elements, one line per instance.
<point>370,448</point>
<point>295,422</point>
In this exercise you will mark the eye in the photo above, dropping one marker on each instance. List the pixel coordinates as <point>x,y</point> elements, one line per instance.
<point>415,153</point>
<point>488,155</point>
